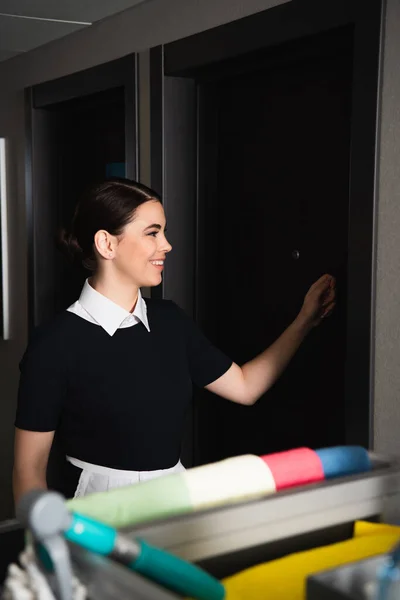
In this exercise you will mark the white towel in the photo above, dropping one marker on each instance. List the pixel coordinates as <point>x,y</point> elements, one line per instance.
<point>27,582</point>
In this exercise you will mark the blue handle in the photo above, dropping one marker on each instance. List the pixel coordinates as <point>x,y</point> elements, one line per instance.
<point>91,534</point>
<point>164,568</point>
<point>176,574</point>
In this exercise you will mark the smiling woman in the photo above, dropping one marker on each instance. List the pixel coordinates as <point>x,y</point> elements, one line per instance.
<point>113,374</point>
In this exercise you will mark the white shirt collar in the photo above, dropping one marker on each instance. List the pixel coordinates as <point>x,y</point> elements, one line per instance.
<point>109,315</point>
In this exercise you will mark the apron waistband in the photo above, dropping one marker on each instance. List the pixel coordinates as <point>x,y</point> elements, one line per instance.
<point>85,466</point>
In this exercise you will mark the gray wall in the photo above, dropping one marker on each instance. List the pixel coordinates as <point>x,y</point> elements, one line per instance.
<point>387,315</point>
<point>147,25</point>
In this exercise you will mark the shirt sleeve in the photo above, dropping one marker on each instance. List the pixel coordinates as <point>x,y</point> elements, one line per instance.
<point>206,362</point>
<point>42,387</point>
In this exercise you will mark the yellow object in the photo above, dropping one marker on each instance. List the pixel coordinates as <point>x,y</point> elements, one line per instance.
<point>285,578</point>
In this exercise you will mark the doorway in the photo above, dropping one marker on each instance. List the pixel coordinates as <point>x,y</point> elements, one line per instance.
<point>275,220</point>
<point>82,129</point>
<point>280,181</point>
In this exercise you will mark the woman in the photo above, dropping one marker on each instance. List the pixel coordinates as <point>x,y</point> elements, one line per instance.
<point>113,374</point>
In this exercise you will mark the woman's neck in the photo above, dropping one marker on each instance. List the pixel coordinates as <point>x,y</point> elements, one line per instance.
<point>123,293</point>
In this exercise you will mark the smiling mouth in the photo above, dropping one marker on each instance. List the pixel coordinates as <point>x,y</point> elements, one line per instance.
<point>157,263</point>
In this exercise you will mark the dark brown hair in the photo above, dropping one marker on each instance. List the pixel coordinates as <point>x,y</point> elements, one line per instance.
<point>110,205</point>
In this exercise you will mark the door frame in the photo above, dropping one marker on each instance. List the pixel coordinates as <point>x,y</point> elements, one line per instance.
<point>182,61</point>
<point>121,73</point>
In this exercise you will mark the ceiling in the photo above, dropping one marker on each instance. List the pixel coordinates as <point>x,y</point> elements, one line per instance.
<point>27,24</point>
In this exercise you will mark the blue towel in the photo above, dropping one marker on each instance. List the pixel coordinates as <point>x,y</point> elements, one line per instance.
<point>344,460</point>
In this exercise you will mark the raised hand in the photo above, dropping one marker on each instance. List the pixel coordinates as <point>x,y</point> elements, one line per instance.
<point>319,301</point>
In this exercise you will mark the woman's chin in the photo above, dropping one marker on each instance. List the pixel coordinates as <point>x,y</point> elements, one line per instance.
<point>153,282</point>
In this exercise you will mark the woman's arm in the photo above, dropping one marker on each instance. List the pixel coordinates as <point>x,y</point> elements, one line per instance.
<point>31,455</point>
<point>246,384</point>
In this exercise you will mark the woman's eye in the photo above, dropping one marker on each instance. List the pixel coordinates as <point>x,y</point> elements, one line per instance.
<point>153,233</point>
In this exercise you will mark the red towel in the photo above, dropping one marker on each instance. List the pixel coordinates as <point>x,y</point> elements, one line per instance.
<point>294,467</point>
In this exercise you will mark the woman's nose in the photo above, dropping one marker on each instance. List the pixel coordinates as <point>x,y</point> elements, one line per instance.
<point>166,246</point>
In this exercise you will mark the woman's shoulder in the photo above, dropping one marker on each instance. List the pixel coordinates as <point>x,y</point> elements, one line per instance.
<point>54,334</point>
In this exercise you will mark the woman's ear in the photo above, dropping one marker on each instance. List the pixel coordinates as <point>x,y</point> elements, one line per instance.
<point>104,244</point>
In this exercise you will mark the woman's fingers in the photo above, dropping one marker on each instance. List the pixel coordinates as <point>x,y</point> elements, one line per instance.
<point>324,284</point>
<point>328,310</point>
<point>330,296</point>
<point>322,281</point>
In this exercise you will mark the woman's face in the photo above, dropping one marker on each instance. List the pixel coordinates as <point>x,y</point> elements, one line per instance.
<point>142,247</point>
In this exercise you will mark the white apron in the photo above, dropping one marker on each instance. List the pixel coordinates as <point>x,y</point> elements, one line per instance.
<point>95,478</point>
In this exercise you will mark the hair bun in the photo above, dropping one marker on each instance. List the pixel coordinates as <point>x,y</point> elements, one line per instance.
<point>68,244</point>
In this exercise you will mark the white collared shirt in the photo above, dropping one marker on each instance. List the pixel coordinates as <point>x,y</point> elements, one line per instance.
<point>99,310</point>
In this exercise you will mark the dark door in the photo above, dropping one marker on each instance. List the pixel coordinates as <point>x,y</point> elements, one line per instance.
<point>274,212</point>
